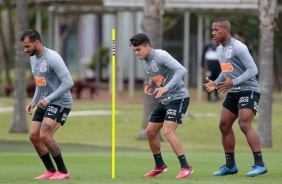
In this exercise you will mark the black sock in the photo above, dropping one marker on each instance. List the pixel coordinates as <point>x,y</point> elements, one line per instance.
<point>258,158</point>
<point>230,161</point>
<point>159,160</point>
<point>183,162</point>
<point>60,163</point>
<point>46,159</point>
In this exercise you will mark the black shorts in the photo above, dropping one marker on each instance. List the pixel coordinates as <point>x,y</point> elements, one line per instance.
<point>240,100</point>
<point>55,112</point>
<point>174,111</point>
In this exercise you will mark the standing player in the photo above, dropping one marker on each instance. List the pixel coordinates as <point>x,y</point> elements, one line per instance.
<point>53,99</point>
<point>238,78</point>
<point>166,75</point>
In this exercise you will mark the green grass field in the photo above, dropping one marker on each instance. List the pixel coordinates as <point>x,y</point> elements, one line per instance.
<point>86,147</point>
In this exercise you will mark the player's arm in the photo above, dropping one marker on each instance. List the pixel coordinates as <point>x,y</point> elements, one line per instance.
<point>214,85</point>
<point>173,64</point>
<point>247,60</point>
<point>60,69</point>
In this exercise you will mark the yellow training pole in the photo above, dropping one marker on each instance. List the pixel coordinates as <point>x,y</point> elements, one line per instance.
<point>113,100</point>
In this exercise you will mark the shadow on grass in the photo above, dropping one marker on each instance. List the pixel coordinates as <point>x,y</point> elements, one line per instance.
<point>24,147</point>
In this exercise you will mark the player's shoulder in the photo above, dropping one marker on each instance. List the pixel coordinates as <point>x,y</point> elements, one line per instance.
<point>160,53</point>
<point>51,52</point>
<point>238,44</point>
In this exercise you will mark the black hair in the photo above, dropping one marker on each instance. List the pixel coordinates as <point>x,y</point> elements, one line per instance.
<point>220,19</point>
<point>31,34</point>
<point>139,39</point>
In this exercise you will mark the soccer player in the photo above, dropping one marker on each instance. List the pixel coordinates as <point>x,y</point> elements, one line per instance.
<point>53,100</point>
<point>237,78</point>
<point>165,75</point>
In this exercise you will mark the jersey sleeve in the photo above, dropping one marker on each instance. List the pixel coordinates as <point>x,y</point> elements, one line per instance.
<point>58,66</point>
<point>173,64</point>
<point>245,57</point>
<point>36,96</point>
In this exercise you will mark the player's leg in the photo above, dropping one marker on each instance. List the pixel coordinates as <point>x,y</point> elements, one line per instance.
<point>229,113</point>
<point>174,115</point>
<point>48,128</point>
<point>152,130</point>
<point>247,111</point>
<point>40,148</point>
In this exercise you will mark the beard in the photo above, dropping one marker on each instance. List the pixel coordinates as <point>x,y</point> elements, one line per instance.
<point>34,51</point>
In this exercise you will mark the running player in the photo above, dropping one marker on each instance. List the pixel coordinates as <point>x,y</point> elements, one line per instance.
<point>165,75</point>
<point>53,100</point>
<point>237,78</point>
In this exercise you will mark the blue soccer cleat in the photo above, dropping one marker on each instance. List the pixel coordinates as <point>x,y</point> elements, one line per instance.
<point>223,170</point>
<point>257,170</point>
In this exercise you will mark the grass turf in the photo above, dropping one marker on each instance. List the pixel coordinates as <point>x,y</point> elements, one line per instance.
<point>86,147</point>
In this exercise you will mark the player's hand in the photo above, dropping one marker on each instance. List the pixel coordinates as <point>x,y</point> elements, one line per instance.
<point>210,85</point>
<point>29,108</point>
<point>148,88</point>
<point>42,103</point>
<point>226,85</point>
<point>160,91</point>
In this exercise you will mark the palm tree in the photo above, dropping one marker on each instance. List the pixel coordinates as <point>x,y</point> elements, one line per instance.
<point>153,19</point>
<point>19,123</point>
<point>268,13</point>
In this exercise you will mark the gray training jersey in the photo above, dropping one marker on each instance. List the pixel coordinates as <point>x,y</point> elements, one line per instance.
<point>52,78</point>
<point>165,71</point>
<point>237,63</point>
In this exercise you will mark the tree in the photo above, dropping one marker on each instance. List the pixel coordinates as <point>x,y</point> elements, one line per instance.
<point>19,123</point>
<point>268,13</point>
<point>6,45</point>
<point>153,18</point>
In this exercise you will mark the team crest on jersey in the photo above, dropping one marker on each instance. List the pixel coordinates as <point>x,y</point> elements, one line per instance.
<point>154,66</point>
<point>43,67</point>
<point>228,53</point>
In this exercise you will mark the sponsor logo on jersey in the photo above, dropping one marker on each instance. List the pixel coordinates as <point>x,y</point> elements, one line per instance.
<point>159,79</point>
<point>40,81</point>
<point>166,99</point>
<point>228,53</point>
<point>154,66</point>
<point>226,67</point>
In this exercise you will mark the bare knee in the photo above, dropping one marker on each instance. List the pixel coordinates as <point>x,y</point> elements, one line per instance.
<point>168,133</point>
<point>34,137</point>
<point>224,127</point>
<point>45,138</point>
<point>244,126</point>
<point>150,133</point>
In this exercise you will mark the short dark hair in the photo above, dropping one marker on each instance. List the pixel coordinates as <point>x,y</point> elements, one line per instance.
<point>139,39</point>
<point>220,19</point>
<point>31,34</point>
<point>223,20</point>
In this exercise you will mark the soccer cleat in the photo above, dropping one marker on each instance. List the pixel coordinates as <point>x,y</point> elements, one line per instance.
<point>59,176</point>
<point>156,171</point>
<point>257,170</point>
<point>185,172</point>
<point>223,170</point>
<point>46,175</point>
